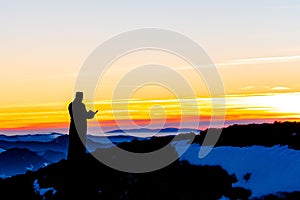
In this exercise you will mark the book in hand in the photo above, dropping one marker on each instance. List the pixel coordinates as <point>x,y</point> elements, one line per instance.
<point>91,114</point>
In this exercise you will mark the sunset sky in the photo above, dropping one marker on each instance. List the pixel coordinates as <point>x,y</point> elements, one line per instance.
<point>255,46</point>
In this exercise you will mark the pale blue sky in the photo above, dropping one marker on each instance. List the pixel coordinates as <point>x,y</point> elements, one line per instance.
<point>42,39</point>
<point>227,29</point>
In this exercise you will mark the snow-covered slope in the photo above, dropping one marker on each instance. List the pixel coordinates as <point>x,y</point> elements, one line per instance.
<point>270,170</point>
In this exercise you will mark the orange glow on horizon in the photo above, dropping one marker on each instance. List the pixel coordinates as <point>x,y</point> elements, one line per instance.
<point>153,113</point>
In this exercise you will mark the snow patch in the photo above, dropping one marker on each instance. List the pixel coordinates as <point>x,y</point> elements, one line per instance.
<point>30,167</point>
<point>42,191</point>
<point>224,198</point>
<point>2,150</point>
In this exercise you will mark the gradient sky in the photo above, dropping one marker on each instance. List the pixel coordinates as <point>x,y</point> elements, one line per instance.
<point>254,44</point>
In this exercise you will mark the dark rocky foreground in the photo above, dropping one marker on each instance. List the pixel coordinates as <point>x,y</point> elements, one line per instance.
<point>94,181</point>
<point>267,134</point>
<point>89,179</point>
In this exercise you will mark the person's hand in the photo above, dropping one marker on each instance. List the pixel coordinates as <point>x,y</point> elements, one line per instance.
<point>91,114</point>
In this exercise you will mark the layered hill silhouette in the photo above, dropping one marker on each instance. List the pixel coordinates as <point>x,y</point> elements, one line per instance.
<point>53,147</point>
<point>18,161</point>
<point>58,144</point>
<point>267,134</point>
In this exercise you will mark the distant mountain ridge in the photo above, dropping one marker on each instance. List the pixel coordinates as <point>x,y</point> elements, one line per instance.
<point>56,144</point>
<point>165,130</point>
<point>31,137</point>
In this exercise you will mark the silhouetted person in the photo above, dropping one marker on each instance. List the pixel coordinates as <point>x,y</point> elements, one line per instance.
<point>78,127</point>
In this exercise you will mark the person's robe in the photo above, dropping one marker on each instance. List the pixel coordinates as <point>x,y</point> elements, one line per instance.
<point>78,130</point>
